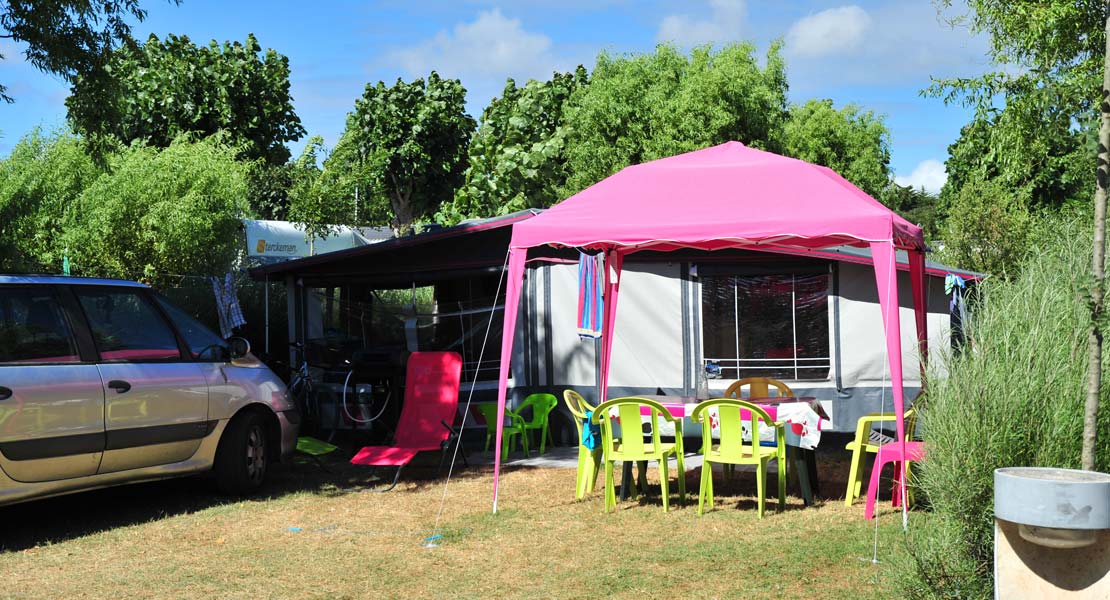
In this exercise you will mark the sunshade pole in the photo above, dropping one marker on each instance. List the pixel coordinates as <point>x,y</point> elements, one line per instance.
<point>513,280</point>
<point>614,262</point>
<point>886,280</point>
<point>920,306</point>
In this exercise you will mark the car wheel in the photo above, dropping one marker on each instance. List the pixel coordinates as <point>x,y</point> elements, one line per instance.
<point>241,459</point>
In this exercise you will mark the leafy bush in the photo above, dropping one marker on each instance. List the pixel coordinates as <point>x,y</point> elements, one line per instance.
<point>158,212</point>
<point>1013,397</point>
<point>38,180</point>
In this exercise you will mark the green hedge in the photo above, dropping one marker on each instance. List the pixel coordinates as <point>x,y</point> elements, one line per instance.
<point>1013,397</point>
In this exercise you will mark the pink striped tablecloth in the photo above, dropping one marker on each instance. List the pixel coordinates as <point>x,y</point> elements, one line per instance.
<point>804,417</point>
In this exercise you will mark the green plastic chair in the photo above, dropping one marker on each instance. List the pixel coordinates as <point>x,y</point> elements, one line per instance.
<point>631,445</point>
<point>541,405</point>
<point>733,450</point>
<point>515,427</point>
<point>589,461</point>
<point>862,445</point>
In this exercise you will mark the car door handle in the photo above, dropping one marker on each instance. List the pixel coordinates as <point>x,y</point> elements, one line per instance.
<point>5,392</point>
<point>119,385</point>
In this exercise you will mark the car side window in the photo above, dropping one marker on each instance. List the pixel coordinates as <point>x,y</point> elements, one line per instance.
<point>126,327</point>
<point>203,343</point>
<point>33,328</point>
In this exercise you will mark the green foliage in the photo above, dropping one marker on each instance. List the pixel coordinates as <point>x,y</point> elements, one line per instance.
<point>1013,398</point>
<point>160,89</point>
<point>69,38</point>
<point>987,230</point>
<point>410,142</point>
<point>854,143</point>
<point>38,180</point>
<point>268,188</point>
<point>1039,154</point>
<point>336,194</point>
<point>1036,118</point>
<point>160,211</point>
<point>647,106</point>
<point>915,205</point>
<point>517,158</point>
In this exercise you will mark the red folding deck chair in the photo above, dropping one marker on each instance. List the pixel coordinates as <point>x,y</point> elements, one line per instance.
<point>427,415</point>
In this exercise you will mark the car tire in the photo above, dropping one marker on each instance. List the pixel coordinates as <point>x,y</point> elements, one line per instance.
<point>241,458</point>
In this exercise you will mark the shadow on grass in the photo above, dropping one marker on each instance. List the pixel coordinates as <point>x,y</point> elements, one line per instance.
<point>72,516</point>
<point>76,515</point>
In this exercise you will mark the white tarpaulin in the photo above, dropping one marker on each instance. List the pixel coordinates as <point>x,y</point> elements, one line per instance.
<point>282,239</point>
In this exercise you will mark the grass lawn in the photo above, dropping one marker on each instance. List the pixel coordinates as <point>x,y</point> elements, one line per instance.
<point>177,539</point>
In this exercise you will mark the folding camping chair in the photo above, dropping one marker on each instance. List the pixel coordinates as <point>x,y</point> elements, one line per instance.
<point>429,410</point>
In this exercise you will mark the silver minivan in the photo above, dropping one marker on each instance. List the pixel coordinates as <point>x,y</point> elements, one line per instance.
<point>105,382</point>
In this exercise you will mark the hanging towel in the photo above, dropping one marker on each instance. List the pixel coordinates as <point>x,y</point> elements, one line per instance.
<point>591,432</point>
<point>590,294</point>
<point>227,305</point>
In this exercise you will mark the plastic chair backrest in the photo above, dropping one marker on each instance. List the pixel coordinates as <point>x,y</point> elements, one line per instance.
<point>431,396</point>
<point>730,420</point>
<point>542,405</point>
<point>485,413</point>
<point>910,423</point>
<point>759,388</point>
<point>578,407</point>
<point>632,445</point>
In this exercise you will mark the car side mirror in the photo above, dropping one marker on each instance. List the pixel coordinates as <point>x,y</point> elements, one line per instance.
<point>238,347</point>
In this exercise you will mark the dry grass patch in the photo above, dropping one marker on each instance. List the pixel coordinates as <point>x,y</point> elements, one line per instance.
<point>171,540</point>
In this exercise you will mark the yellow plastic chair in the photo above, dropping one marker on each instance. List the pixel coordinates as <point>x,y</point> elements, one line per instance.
<point>541,405</point>
<point>759,387</point>
<point>589,461</point>
<point>863,444</point>
<point>733,450</point>
<point>631,446</point>
<point>515,427</point>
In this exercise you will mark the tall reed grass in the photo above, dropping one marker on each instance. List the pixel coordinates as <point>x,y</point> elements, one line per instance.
<point>1012,397</point>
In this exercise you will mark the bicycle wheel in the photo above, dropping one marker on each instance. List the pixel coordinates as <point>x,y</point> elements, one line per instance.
<point>301,393</point>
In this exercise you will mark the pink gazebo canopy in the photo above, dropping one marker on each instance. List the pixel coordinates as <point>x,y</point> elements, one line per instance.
<point>726,196</point>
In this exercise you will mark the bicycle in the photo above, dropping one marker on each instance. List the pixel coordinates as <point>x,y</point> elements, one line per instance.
<point>302,388</point>
<point>301,391</point>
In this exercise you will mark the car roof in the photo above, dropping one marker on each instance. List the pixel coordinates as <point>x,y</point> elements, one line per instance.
<point>62,279</point>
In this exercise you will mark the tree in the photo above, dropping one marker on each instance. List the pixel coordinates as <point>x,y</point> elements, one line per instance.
<point>159,90</point>
<point>69,38</point>
<point>1062,51</point>
<point>1039,154</point>
<point>988,229</point>
<point>854,143</point>
<point>38,180</point>
<point>338,193</point>
<point>410,140</point>
<point>914,204</point>
<point>642,107</point>
<point>517,158</point>
<point>160,212</point>
<point>1098,265</point>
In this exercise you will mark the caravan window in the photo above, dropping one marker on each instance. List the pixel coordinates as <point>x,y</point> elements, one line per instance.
<point>766,325</point>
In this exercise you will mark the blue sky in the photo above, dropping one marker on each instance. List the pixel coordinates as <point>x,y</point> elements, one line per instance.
<point>877,54</point>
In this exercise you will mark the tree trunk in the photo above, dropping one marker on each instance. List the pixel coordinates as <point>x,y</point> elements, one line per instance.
<point>1094,338</point>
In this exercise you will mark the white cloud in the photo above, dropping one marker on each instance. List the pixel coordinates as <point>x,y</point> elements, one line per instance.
<point>482,53</point>
<point>831,31</point>
<point>723,24</point>
<point>491,45</point>
<point>901,43</point>
<point>929,174</point>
